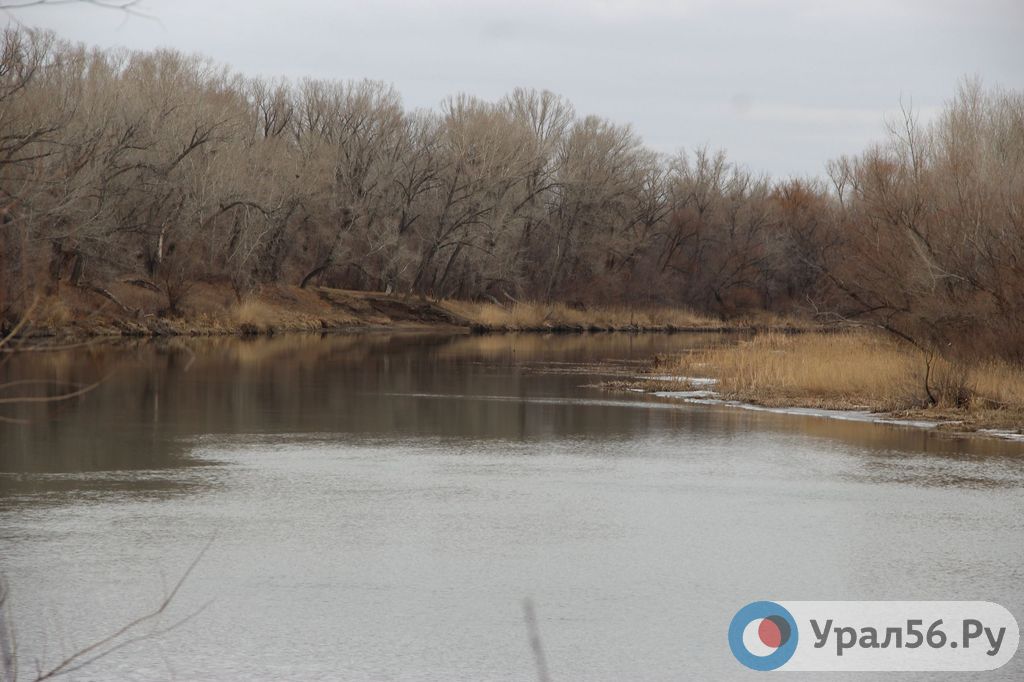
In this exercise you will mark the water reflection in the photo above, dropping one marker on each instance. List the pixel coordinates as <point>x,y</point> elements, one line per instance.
<point>157,395</point>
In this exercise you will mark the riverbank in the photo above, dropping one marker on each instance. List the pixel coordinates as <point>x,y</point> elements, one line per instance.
<point>138,308</point>
<point>853,373</point>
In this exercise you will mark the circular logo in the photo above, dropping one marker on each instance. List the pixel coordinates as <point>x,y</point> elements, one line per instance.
<point>762,635</point>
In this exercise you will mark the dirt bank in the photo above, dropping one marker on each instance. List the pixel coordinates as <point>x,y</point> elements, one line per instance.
<point>139,308</point>
<point>133,309</point>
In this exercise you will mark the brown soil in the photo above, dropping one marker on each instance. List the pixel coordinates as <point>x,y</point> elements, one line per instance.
<point>135,307</point>
<point>131,309</point>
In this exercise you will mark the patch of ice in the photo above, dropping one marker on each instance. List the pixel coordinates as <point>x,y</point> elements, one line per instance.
<point>683,395</point>
<point>1005,434</point>
<point>844,415</point>
<point>708,398</point>
<point>694,381</point>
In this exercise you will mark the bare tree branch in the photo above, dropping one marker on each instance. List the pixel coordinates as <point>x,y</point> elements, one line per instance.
<point>113,642</point>
<point>536,646</point>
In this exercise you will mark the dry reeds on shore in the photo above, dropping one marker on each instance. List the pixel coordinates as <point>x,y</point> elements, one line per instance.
<point>535,316</point>
<point>859,370</point>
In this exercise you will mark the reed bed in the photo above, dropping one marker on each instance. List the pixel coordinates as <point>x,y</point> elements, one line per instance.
<point>535,316</point>
<point>858,370</point>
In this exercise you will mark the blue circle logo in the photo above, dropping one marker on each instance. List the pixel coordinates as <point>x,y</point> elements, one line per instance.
<point>763,635</point>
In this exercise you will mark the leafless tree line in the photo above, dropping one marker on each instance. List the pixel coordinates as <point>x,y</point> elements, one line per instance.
<point>168,170</point>
<point>932,227</point>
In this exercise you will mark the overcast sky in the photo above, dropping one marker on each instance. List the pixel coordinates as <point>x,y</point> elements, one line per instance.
<point>782,86</point>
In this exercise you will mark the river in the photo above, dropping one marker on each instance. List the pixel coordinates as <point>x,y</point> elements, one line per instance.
<point>379,506</point>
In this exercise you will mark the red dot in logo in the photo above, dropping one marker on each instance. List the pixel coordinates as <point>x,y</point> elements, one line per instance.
<point>769,633</point>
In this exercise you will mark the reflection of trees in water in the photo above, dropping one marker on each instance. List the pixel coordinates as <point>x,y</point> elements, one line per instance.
<point>32,390</point>
<point>162,393</point>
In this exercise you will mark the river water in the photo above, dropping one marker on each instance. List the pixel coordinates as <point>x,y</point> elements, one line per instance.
<point>379,507</point>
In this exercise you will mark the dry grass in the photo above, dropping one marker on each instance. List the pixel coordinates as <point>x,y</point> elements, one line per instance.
<point>1000,382</point>
<point>812,370</point>
<point>533,316</point>
<point>858,370</point>
<point>52,311</point>
<point>282,308</point>
<point>255,314</point>
<point>212,308</point>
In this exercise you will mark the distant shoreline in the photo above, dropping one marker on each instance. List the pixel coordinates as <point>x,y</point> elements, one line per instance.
<point>128,309</point>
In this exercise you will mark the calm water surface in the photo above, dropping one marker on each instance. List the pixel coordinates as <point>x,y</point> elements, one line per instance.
<point>381,505</point>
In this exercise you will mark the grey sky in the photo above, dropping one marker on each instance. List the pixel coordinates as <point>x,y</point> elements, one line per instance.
<point>783,86</point>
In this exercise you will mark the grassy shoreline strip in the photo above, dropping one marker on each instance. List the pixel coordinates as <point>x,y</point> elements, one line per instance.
<point>852,371</point>
<point>212,309</point>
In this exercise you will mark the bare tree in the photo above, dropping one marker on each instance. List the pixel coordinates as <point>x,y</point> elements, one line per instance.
<point>931,221</point>
<point>169,171</point>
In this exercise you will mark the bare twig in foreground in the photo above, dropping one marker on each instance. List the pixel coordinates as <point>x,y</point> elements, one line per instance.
<point>120,638</point>
<point>8,646</point>
<point>121,5</point>
<point>535,643</point>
